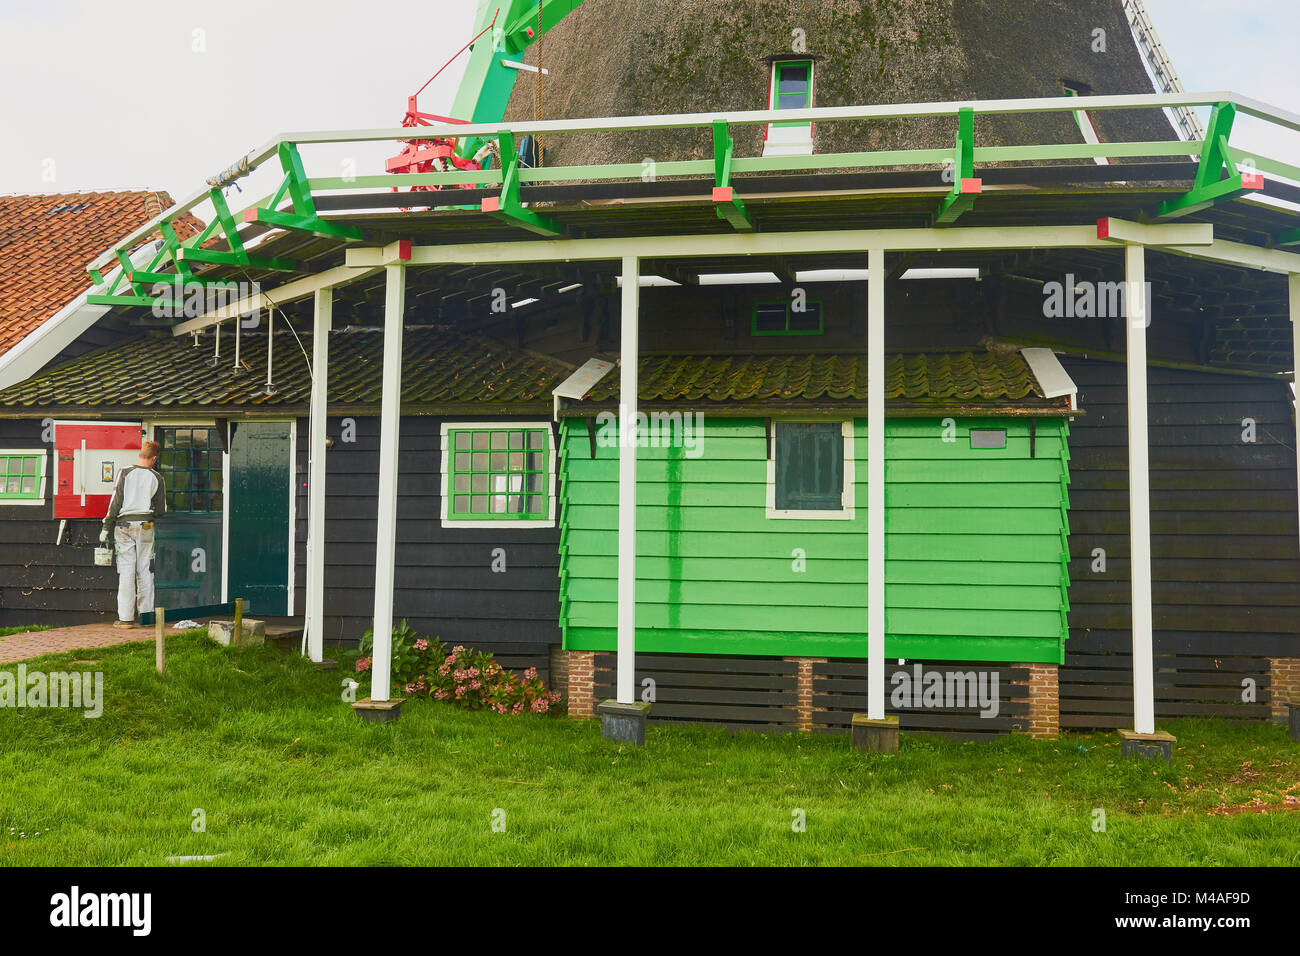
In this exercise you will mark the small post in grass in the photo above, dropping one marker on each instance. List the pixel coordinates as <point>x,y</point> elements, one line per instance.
<point>237,640</point>
<point>159,624</point>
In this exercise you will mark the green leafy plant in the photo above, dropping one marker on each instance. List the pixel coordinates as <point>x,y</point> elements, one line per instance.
<point>424,667</point>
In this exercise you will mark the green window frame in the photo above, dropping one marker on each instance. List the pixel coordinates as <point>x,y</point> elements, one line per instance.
<point>792,86</point>
<point>191,464</point>
<point>810,470</point>
<point>764,320</point>
<point>495,473</point>
<point>22,475</point>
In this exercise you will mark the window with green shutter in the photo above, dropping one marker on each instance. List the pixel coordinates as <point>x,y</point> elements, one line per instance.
<point>787,318</point>
<point>190,463</point>
<point>22,475</point>
<point>809,466</point>
<point>498,473</point>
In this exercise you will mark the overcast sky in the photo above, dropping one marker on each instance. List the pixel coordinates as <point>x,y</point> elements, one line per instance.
<point>163,93</point>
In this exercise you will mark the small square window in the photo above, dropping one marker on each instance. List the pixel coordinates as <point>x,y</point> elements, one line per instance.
<point>796,317</point>
<point>504,478</point>
<point>805,317</point>
<point>988,438</point>
<point>809,466</point>
<point>769,319</point>
<point>792,87</point>
<point>190,465</point>
<point>22,476</point>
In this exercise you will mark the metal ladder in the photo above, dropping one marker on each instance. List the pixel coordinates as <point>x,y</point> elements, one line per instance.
<point>1153,51</point>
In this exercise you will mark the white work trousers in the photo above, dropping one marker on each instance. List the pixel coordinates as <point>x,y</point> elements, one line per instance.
<point>134,540</point>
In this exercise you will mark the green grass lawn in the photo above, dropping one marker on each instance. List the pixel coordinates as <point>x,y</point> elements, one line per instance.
<point>24,629</point>
<point>286,774</point>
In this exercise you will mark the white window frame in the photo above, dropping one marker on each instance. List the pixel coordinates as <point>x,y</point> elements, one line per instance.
<point>493,425</point>
<point>44,455</point>
<point>847,495</point>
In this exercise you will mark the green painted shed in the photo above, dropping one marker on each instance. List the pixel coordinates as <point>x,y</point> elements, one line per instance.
<point>751,507</point>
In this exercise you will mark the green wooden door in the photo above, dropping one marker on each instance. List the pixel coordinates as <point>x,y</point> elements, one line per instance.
<point>260,478</point>
<point>187,546</point>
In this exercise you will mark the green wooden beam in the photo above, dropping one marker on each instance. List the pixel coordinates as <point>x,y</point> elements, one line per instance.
<point>199,239</point>
<point>229,227</point>
<point>126,268</point>
<point>727,204</point>
<point>143,301</point>
<point>965,187</point>
<point>520,30</point>
<point>1211,185</point>
<point>507,206</point>
<point>173,243</point>
<point>221,258</point>
<point>313,225</point>
<point>172,279</point>
<point>295,180</point>
<point>274,201</point>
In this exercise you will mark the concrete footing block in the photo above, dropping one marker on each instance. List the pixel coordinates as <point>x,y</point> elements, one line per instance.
<point>874,736</point>
<point>379,711</point>
<point>623,723</point>
<point>252,633</point>
<point>1157,746</point>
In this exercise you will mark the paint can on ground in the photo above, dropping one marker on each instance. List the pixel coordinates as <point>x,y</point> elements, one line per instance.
<point>103,557</point>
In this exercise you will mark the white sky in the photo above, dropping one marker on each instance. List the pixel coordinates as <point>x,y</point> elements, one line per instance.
<point>114,92</point>
<point>107,95</point>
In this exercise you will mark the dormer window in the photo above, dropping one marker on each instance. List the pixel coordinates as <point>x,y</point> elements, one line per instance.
<point>791,89</point>
<point>1085,122</point>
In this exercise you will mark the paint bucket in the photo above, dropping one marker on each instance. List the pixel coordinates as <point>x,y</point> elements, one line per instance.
<point>103,557</point>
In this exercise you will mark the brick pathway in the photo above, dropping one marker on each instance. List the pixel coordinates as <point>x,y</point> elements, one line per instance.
<point>59,640</point>
<point>20,647</point>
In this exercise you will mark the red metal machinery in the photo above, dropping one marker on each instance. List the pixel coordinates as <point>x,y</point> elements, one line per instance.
<point>438,154</point>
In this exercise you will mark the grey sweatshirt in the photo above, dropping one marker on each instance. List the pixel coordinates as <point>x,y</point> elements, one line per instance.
<point>139,496</point>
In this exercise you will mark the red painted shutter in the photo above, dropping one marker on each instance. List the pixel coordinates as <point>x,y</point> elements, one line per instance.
<point>84,480</point>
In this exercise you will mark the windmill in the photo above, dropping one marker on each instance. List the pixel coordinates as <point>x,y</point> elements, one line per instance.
<point>1161,67</point>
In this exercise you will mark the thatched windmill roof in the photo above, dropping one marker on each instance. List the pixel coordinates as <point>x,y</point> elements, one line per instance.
<point>628,57</point>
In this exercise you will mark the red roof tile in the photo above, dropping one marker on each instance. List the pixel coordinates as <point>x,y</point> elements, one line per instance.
<point>46,242</point>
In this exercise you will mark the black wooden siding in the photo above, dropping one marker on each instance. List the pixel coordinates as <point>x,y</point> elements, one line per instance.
<point>760,694</point>
<point>41,582</point>
<point>444,583</point>
<point>1225,568</point>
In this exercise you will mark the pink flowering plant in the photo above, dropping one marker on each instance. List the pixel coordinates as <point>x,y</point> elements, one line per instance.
<point>413,654</point>
<point>426,667</point>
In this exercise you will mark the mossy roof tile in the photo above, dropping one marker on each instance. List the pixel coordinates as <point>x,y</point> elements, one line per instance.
<point>963,377</point>
<point>158,369</point>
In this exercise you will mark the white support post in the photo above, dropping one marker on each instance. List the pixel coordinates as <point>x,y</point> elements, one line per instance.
<point>627,445</point>
<point>315,603</point>
<point>386,533</point>
<point>1293,283</point>
<point>270,344</point>
<point>875,484</point>
<point>1139,488</point>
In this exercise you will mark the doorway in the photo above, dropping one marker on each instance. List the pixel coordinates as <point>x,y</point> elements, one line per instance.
<point>259,525</point>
